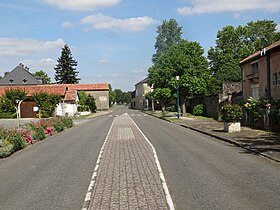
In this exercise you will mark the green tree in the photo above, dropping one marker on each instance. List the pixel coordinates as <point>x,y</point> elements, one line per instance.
<point>43,75</point>
<point>235,44</point>
<point>169,33</point>
<point>112,96</point>
<point>46,103</point>
<point>185,60</point>
<point>9,101</point>
<point>65,71</point>
<point>119,96</point>
<point>86,101</point>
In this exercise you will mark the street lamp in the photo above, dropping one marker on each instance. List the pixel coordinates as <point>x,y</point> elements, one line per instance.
<point>178,97</point>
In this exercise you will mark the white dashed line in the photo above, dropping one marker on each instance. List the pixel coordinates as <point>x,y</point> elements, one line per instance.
<point>92,182</point>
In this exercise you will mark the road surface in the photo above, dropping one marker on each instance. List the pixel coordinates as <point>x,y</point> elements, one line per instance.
<point>201,172</point>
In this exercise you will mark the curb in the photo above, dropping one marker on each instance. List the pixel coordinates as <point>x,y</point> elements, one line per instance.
<point>220,138</point>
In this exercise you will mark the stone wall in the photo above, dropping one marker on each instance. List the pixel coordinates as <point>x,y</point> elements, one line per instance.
<point>232,92</point>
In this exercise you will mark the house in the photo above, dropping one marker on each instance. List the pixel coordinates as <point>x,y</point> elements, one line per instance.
<point>21,76</point>
<point>261,73</point>
<point>26,108</point>
<point>138,100</point>
<point>100,92</point>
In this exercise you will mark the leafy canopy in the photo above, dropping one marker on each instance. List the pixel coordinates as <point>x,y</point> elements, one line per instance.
<point>169,33</point>
<point>233,45</point>
<point>43,75</point>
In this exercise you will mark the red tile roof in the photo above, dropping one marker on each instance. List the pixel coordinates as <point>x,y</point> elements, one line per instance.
<point>100,86</point>
<point>257,54</point>
<point>70,95</point>
<point>30,89</point>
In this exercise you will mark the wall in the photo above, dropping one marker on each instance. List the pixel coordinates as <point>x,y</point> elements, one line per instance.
<point>275,68</point>
<point>101,99</point>
<point>141,89</point>
<point>212,104</point>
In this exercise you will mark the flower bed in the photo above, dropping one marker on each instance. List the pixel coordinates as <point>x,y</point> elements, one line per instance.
<point>14,140</point>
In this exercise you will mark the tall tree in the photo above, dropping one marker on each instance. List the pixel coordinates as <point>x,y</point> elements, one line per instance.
<point>65,71</point>
<point>43,75</point>
<point>235,44</point>
<point>169,33</point>
<point>185,60</point>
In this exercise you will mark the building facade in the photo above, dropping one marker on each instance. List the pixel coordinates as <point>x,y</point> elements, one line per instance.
<point>261,73</point>
<point>138,100</point>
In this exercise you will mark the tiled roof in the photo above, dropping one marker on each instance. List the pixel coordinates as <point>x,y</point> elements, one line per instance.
<point>100,86</point>
<point>30,89</point>
<point>89,87</point>
<point>70,95</point>
<point>257,54</point>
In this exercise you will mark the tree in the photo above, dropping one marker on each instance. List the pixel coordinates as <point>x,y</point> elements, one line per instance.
<point>43,75</point>
<point>46,103</point>
<point>112,96</point>
<point>119,96</point>
<point>86,102</point>
<point>9,101</point>
<point>65,71</point>
<point>169,33</point>
<point>185,60</point>
<point>235,44</point>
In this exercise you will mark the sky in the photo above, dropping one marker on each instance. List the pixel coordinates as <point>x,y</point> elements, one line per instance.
<point>112,40</point>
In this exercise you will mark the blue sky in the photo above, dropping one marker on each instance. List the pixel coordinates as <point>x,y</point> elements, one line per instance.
<point>112,40</point>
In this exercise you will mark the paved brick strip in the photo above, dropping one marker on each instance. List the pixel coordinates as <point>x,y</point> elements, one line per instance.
<point>127,174</point>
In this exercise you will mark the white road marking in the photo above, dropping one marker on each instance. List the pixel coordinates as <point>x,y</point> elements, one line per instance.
<point>92,182</point>
<point>163,181</point>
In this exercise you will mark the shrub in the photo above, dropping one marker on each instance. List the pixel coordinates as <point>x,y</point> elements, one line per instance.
<point>198,110</point>
<point>36,130</point>
<point>231,113</point>
<point>16,138</point>
<point>67,122</point>
<point>58,126</point>
<point>10,141</point>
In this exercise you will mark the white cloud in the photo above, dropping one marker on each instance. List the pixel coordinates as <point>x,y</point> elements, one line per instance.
<point>215,6</point>
<point>45,64</point>
<point>67,24</point>
<point>103,22</point>
<point>278,28</point>
<point>103,61</point>
<point>82,5</point>
<point>139,71</point>
<point>22,47</point>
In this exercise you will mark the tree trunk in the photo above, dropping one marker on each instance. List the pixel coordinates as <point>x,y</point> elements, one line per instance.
<point>183,104</point>
<point>163,107</point>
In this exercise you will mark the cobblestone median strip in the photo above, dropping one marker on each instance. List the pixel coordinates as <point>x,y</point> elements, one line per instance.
<point>128,173</point>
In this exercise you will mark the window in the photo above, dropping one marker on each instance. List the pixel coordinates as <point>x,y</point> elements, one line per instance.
<point>11,81</point>
<point>24,80</point>
<point>255,91</point>
<point>276,78</point>
<point>254,68</point>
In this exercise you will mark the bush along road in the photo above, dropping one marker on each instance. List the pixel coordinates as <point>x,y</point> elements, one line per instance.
<point>12,140</point>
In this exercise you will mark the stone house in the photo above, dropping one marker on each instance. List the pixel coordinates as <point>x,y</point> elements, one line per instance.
<point>261,73</point>
<point>138,99</point>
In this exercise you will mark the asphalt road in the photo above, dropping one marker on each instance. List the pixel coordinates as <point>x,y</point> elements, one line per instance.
<point>201,172</point>
<point>204,173</point>
<point>55,173</point>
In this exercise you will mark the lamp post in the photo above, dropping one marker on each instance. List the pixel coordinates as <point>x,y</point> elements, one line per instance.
<point>178,97</point>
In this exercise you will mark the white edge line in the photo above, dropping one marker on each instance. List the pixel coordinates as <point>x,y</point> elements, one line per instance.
<point>163,181</point>
<point>92,181</point>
